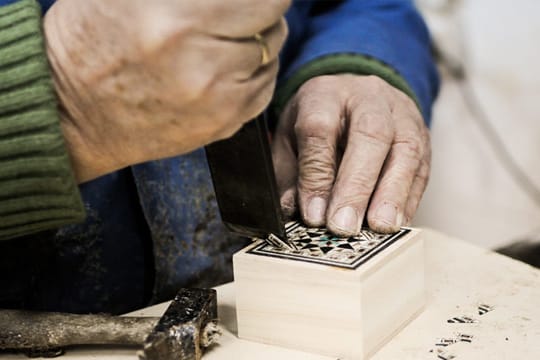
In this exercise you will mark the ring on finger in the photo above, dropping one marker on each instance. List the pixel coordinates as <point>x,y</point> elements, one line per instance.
<point>265,52</point>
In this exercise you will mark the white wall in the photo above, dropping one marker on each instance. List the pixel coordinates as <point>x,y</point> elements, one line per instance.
<point>470,194</point>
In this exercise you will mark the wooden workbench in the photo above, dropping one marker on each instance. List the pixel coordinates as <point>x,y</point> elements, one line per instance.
<point>459,278</point>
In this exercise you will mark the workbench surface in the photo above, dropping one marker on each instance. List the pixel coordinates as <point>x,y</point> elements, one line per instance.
<point>459,276</point>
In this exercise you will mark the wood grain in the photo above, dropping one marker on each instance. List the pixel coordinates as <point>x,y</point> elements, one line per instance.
<point>330,310</point>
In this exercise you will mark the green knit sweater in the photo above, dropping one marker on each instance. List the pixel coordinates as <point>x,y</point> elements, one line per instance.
<point>37,187</point>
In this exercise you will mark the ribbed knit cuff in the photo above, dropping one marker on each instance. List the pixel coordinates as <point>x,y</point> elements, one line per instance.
<point>339,64</point>
<point>37,187</point>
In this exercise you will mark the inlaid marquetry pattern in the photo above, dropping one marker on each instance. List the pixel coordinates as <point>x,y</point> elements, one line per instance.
<point>318,245</point>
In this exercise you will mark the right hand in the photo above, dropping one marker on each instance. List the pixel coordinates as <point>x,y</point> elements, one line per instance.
<point>141,80</point>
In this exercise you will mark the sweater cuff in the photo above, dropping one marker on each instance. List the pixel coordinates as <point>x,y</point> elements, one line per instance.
<point>37,188</point>
<point>339,64</point>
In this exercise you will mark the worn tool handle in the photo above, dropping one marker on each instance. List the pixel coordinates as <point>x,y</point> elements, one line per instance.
<point>21,330</point>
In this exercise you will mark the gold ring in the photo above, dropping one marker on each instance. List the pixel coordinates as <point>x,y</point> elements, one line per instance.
<point>265,53</point>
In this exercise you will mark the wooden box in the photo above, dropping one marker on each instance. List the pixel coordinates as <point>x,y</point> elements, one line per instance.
<point>341,297</point>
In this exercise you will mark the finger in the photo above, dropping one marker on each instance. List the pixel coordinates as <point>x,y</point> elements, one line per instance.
<point>241,58</point>
<point>410,146</point>
<point>260,88</point>
<point>284,159</point>
<point>387,207</point>
<point>317,131</point>
<point>272,40</point>
<point>245,56</point>
<point>417,190</point>
<point>241,20</point>
<point>369,140</point>
<point>246,99</point>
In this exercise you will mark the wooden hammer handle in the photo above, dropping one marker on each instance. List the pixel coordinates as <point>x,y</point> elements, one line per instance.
<point>21,330</point>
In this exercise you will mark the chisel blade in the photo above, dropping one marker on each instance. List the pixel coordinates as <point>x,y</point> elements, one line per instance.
<point>245,183</point>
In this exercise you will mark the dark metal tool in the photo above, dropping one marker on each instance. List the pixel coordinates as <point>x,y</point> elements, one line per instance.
<point>245,183</point>
<point>188,326</point>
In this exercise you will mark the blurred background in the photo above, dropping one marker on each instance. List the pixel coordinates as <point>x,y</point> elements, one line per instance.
<point>485,180</point>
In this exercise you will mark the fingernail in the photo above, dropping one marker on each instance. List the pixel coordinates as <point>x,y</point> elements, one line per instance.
<point>316,211</point>
<point>346,219</point>
<point>387,214</point>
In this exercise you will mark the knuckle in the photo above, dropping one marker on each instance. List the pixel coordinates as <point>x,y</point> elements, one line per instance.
<point>316,166</point>
<point>359,201</point>
<point>412,108</point>
<point>315,124</point>
<point>413,148</point>
<point>408,107</point>
<point>424,172</point>
<point>427,152</point>
<point>405,99</point>
<point>316,171</point>
<point>320,186</point>
<point>375,83</point>
<point>230,112</point>
<point>426,138</point>
<point>361,187</point>
<point>396,187</point>
<point>314,84</point>
<point>412,144</point>
<point>200,87</point>
<point>374,127</point>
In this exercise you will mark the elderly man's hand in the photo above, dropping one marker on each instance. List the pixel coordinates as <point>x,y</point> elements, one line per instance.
<point>349,145</point>
<point>140,80</point>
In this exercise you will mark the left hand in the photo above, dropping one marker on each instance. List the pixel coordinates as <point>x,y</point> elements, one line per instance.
<point>350,145</point>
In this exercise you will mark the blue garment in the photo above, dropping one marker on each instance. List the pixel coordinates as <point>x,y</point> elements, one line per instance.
<point>154,227</point>
<point>391,31</point>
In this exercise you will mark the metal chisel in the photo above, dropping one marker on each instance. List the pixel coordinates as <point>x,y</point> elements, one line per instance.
<point>245,184</point>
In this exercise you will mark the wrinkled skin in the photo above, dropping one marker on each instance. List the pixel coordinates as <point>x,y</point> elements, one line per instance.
<point>144,80</point>
<point>349,147</point>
